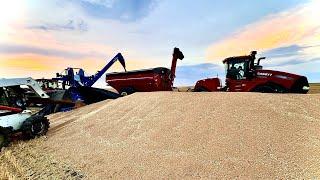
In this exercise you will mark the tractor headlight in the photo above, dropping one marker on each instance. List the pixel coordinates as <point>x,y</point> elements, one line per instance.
<point>305,88</point>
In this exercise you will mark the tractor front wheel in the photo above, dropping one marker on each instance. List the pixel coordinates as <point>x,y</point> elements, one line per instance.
<point>4,140</point>
<point>264,89</point>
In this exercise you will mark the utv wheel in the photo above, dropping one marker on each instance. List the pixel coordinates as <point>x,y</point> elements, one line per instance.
<point>4,140</point>
<point>35,126</point>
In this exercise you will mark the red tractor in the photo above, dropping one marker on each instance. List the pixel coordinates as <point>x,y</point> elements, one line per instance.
<point>145,80</point>
<point>245,74</point>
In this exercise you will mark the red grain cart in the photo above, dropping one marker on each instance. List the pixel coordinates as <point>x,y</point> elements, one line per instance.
<point>145,80</point>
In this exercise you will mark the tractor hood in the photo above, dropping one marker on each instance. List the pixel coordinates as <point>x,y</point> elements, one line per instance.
<point>292,82</point>
<point>277,74</point>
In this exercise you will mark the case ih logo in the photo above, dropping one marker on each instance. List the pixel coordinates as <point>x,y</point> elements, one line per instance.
<point>264,74</point>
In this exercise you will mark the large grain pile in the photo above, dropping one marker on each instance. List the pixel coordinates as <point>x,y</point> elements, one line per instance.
<point>190,135</point>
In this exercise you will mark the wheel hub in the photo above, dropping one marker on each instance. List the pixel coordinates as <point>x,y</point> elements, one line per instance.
<point>124,94</point>
<point>37,127</point>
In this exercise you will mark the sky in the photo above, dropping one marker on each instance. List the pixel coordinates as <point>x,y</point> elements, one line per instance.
<point>40,38</point>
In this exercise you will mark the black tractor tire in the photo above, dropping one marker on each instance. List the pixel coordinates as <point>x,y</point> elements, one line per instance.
<point>35,126</point>
<point>20,103</point>
<point>4,140</point>
<point>264,89</point>
<point>127,91</point>
<point>279,89</point>
<point>201,89</point>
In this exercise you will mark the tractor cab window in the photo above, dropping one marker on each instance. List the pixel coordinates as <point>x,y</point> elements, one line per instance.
<point>48,84</point>
<point>237,69</point>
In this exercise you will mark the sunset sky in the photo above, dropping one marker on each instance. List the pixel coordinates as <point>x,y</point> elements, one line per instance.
<point>39,38</point>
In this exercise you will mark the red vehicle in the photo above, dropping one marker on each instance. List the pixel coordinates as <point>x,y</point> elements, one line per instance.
<point>145,80</point>
<point>246,75</point>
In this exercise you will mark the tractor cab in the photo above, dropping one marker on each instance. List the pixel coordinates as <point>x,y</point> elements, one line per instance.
<point>13,96</point>
<point>242,67</point>
<point>241,71</point>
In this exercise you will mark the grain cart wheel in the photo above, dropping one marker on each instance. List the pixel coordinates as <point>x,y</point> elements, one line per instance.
<point>202,89</point>
<point>4,140</point>
<point>127,91</point>
<point>35,126</point>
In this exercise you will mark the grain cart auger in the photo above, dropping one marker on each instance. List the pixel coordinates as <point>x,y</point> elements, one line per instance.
<point>77,87</point>
<point>245,74</point>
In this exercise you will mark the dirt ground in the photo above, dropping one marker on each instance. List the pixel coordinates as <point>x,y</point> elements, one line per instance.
<point>314,88</point>
<point>177,135</point>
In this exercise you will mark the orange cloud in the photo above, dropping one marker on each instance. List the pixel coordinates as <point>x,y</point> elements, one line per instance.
<point>38,66</point>
<point>43,65</point>
<point>27,61</point>
<point>16,33</point>
<point>295,26</point>
<point>27,65</point>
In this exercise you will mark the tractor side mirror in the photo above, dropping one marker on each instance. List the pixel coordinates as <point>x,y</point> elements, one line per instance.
<point>258,63</point>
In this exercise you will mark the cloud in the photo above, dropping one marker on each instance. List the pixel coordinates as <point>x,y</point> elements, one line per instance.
<point>25,49</point>
<point>291,55</point>
<point>285,51</point>
<point>292,61</point>
<point>145,32</point>
<point>28,62</point>
<point>298,25</point>
<point>38,65</point>
<point>124,10</point>
<point>71,25</point>
<point>105,3</point>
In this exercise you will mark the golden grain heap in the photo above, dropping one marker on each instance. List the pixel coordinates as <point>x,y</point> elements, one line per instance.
<point>179,135</point>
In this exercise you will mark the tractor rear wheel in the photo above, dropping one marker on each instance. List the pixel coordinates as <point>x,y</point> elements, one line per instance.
<point>279,89</point>
<point>4,140</point>
<point>35,126</point>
